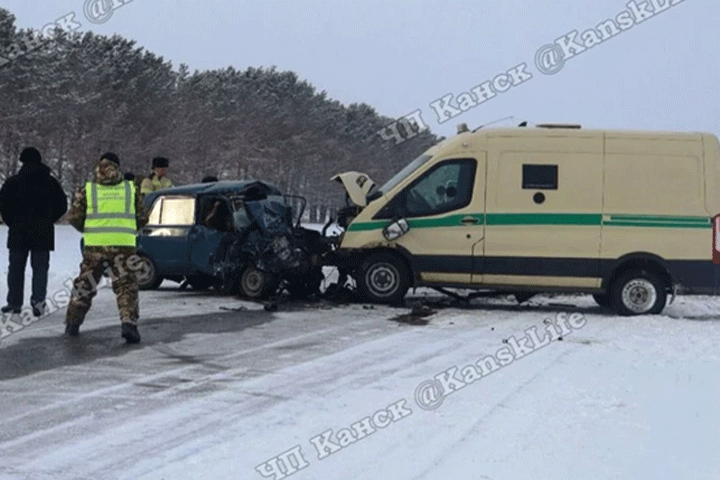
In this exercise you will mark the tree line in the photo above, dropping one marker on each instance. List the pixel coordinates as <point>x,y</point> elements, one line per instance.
<point>78,95</point>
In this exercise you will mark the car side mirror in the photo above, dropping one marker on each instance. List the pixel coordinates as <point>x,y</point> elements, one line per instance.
<point>396,229</point>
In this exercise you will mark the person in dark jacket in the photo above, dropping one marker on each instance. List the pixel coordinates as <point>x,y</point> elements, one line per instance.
<point>30,203</point>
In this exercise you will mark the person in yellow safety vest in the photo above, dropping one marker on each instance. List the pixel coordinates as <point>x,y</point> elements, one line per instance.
<point>157,178</point>
<point>108,211</point>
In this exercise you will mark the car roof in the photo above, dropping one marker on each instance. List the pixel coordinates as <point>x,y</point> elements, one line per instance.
<point>223,187</point>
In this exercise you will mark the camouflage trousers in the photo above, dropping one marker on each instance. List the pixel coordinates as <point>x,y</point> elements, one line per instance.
<point>123,264</point>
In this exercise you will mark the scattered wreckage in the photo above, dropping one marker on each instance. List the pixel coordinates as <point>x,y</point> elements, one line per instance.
<point>246,238</point>
<point>239,237</point>
<point>489,211</point>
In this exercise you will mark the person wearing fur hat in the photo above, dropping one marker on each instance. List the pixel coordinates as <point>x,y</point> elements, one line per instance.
<point>108,211</point>
<point>30,203</point>
<point>157,178</point>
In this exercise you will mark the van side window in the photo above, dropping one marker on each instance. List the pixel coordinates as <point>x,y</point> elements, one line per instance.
<point>446,187</point>
<point>540,177</point>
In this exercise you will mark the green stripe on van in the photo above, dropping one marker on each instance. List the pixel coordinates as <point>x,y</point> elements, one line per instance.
<point>658,221</point>
<point>449,221</point>
<point>544,219</point>
<point>653,224</point>
<point>363,226</point>
<point>661,217</point>
<point>576,219</point>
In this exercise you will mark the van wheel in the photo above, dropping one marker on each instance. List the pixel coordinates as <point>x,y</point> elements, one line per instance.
<point>146,274</point>
<point>602,299</point>
<point>384,278</point>
<point>637,293</point>
<point>256,284</point>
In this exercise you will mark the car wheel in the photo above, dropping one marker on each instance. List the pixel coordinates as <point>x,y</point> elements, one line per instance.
<point>256,284</point>
<point>147,276</point>
<point>384,278</point>
<point>602,299</point>
<point>637,293</point>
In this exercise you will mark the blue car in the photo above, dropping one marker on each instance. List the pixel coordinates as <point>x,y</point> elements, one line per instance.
<point>237,236</point>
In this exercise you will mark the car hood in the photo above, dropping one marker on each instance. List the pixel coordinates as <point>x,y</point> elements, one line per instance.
<point>357,185</point>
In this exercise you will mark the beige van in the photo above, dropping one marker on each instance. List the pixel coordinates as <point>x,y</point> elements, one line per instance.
<point>623,215</point>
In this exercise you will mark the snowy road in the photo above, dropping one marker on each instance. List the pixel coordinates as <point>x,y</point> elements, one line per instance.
<point>218,393</point>
<point>221,388</point>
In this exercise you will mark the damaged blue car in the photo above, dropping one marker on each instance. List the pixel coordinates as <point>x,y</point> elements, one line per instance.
<point>239,237</point>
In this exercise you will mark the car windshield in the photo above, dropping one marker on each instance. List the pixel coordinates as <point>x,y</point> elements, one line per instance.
<point>376,192</point>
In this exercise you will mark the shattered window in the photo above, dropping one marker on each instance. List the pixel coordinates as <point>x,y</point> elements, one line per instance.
<point>240,215</point>
<point>241,219</point>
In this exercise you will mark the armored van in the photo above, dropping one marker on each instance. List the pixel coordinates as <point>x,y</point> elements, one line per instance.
<point>623,215</point>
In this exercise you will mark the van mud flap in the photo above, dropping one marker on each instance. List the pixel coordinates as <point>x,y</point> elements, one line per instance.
<point>674,293</point>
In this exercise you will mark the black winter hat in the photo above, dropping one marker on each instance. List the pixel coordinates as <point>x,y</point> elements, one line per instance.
<point>30,155</point>
<point>112,157</point>
<point>160,162</point>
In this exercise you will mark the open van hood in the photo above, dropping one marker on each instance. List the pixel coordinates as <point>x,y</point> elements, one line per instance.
<point>357,185</point>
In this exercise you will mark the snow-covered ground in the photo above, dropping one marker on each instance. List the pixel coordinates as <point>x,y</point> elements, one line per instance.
<point>221,388</point>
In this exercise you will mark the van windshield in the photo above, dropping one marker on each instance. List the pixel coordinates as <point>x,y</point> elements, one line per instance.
<point>376,192</point>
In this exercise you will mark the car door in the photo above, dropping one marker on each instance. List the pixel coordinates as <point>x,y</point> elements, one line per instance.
<point>444,208</point>
<point>213,225</point>
<point>165,238</point>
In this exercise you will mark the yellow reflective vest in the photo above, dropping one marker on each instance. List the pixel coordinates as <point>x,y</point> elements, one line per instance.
<point>110,219</point>
<point>153,183</point>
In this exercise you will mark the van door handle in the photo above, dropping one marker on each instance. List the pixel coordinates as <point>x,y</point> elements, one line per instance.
<point>469,221</point>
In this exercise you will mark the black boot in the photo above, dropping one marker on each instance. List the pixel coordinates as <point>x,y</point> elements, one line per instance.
<point>130,333</point>
<point>38,309</point>
<point>72,329</point>
<point>9,308</point>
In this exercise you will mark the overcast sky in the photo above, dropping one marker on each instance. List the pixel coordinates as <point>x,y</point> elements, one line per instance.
<point>401,56</point>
